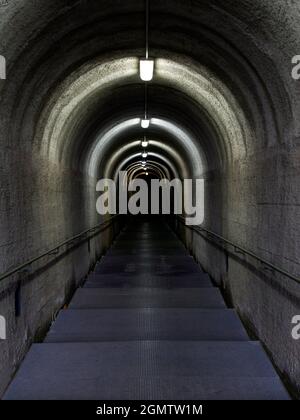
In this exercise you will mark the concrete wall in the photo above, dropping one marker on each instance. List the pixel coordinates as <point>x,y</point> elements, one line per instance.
<point>46,205</point>
<point>260,213</point>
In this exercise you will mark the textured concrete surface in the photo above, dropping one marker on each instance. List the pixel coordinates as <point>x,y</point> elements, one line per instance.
<point>224,104</point>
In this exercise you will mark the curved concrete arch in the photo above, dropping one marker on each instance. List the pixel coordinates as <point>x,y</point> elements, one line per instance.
<point>188,25</point>
<point>138,171</point>
<point>176,132</point>
<point>162,170</point>
<point>167,162</point>
<point>63,119</point>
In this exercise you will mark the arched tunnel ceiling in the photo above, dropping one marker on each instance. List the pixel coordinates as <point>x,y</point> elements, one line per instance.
<point>65,117</point>
<point>175,138</point>
<point>156,160</point>
<point>134,170</point>
<point>216,97</point>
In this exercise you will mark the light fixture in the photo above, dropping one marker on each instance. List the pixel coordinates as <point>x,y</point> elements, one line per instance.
<point>145,143</point>
<point>147,173</point>
<point>146,69</point>
<point>144,155</point>
<point>145,123</point>
<point>144,163</point>
<point>146,64</point>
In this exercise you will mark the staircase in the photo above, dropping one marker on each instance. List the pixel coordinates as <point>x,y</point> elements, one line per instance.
<point>147,325</point>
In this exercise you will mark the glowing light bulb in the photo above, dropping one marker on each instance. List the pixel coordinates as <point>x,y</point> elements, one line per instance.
<point>145,123</point>
<point>145,143</point>
<point>146,70</point>
<point>144,155</point>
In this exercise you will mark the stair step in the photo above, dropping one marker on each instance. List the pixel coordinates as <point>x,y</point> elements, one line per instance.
<point>146,370</point>
<point>85,325</point>
<point>86,298</point>
<point>148,258</point>
<point>158,268</point>
<point>148,280</point>
<point>148,245</point>
<point>155,251</point>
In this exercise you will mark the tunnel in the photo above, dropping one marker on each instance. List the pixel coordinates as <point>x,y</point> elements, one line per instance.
<point>222,106</point>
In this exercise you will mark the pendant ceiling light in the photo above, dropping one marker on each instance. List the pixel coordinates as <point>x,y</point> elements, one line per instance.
<point>146,70</point>
<point>146,64</point>
<point>145,123</point>
<point>145,143</point>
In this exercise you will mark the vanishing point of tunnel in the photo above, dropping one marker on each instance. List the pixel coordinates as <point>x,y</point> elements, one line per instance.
<point>149,200</point>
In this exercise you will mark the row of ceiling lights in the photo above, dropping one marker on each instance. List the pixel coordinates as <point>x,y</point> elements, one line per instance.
<point>146,67</point>
<point>146,75</point>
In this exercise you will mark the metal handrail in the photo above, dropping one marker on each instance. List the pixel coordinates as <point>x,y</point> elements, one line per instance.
<point>240,250</point>
<point>54,250</point>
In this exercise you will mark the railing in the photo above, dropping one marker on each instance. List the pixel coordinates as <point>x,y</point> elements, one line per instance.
<point>83,235</point>
<point>56,249</point>
<point>239,250</point>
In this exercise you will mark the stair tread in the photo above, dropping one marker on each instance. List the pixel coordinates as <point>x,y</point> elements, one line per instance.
<point>147,297</point>
<point>131,370</point>
<point>148,280</point>
<point>81,325</point>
